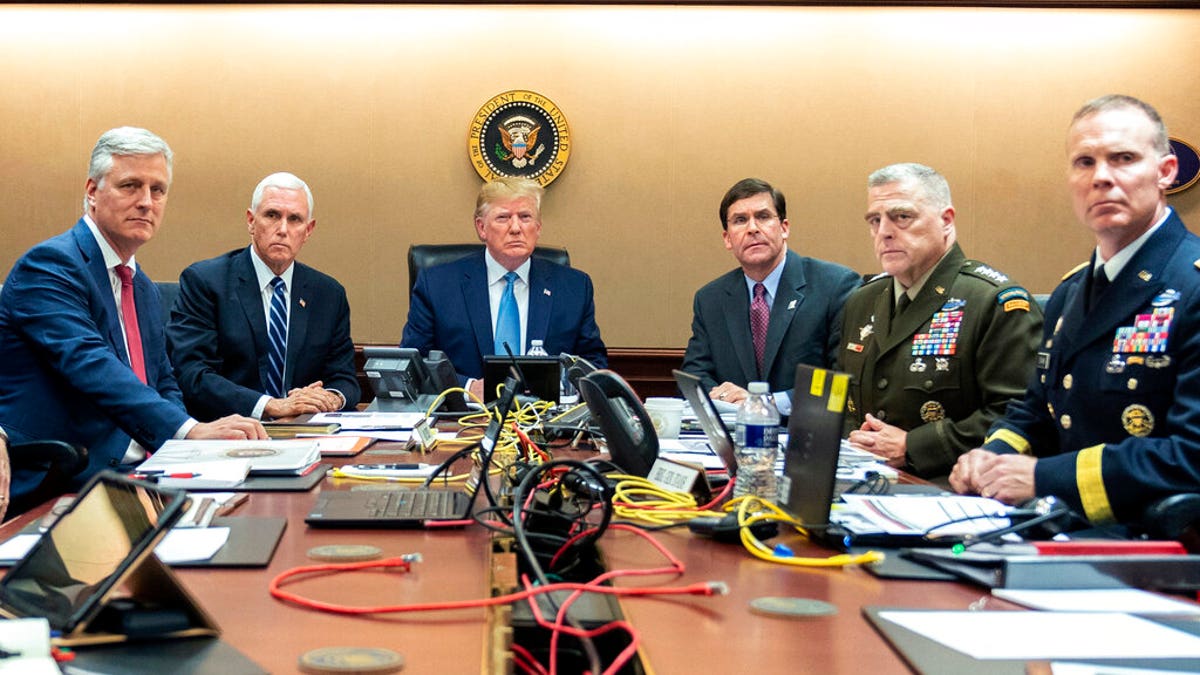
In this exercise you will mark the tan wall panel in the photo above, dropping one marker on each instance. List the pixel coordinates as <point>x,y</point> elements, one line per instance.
<point>668,106</point>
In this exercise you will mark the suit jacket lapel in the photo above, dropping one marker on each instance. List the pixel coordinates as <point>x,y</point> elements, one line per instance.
<point>93,261</point>
<point>932,297</point>
<point>737,322</point>
<point>475,297</point>
<point>789,296</point>
<point>541,302</point>
<point>297,325</point>
<point>248,295</point>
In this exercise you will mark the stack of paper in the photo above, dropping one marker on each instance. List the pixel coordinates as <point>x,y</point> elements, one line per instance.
<point>279,458</point>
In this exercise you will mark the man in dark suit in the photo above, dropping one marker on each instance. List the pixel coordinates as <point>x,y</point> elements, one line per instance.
<point>473,306</point>
<point>796,302</point>
<point>82,354</point>
<point>231,315</point>
<point>1111,419</point>
<point>939,344</point>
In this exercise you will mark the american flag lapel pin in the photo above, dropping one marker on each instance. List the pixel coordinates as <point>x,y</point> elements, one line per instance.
<point>791,305</point>
<point>546,292</point>
<point>302,303</point>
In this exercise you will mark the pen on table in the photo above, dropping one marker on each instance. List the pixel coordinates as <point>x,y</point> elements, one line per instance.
<point>156,475</point>
<point>232,503</point>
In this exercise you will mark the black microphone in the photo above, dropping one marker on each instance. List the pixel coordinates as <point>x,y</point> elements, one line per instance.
<point>516,367</point>
<point>1044,517</point>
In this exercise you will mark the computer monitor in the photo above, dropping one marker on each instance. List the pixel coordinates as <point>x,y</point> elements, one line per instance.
<point>395,372</point>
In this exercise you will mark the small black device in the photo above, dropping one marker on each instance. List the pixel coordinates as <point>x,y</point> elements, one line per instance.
<point>627,428</point>
<point>540,376</point>
<point>395,373</point>
<point>403,381</point>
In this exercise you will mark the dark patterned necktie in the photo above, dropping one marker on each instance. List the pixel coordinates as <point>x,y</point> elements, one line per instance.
<point>760,317</point>
<point>277,333</point>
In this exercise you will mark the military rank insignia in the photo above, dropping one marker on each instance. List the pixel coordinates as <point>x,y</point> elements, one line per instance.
<point>942,338</point>
<point>1147,335</point>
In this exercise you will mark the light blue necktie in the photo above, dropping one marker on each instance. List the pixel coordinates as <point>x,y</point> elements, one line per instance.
<point>508,320</point>
<point>277,334</point>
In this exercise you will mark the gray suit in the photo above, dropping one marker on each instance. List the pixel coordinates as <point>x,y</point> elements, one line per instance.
<point>805,326</point>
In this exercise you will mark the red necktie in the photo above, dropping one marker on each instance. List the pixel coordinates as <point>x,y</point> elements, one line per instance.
<point>133,335</point>
<point>760,316</point>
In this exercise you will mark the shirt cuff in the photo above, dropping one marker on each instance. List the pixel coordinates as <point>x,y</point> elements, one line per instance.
<point>185,429</point>
<point>783,402</point>
<point>341,396</point>
<point>259,407</point>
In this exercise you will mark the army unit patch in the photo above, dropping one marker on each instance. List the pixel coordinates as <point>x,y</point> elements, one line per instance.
<point>519,133</point>
<point>1013,299</point>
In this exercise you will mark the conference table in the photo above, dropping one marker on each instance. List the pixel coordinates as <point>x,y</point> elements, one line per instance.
<point>677,634</point>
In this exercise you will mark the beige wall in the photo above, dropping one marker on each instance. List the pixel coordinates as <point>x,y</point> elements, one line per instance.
<point>668,106</point>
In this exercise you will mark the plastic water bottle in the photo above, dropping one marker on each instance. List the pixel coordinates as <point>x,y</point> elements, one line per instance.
<point>757,439</point>
<point>536,348</point>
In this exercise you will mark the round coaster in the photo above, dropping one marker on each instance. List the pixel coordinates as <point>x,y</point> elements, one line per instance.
<point>363,660</point>
<point>345,553</point>
<point>796,608</point>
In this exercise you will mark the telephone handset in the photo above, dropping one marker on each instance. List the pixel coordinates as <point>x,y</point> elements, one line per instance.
<point>627,428</point>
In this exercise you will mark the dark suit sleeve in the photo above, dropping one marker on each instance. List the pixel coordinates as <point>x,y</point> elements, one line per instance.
<point>419,329</point>
<point>846,283</point>
<point>698,359</point>
<point>192,340</point>
<point>52,306</point>
<point>339,362</point>
<point>588,343</point>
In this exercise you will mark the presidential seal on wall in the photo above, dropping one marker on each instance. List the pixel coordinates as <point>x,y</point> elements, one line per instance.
<point>519,133</point>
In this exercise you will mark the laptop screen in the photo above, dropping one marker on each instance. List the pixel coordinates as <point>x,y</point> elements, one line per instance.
<point>814,440</point>
<point>710,421</point>
<point>69,572</point>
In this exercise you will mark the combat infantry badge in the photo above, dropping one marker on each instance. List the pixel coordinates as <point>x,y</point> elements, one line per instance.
<point>519,133</point>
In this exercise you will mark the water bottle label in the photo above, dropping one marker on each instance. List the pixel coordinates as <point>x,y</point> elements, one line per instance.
<point>757,435</point>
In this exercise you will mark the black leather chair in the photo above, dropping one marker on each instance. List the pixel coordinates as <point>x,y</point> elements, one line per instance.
<point>421,256</point>
<point>61,461</point>
<point>1174,518</point>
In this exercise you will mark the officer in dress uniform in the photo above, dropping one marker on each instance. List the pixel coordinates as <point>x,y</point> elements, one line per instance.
<point>939,344</point>
<point>1111,421</point>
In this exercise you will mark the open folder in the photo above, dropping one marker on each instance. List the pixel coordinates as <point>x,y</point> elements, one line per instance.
<point>266,458</point>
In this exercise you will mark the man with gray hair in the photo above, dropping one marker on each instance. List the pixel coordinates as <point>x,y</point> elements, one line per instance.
<point>256,333</point>
<point>82,356</point>
<point>939,344</point>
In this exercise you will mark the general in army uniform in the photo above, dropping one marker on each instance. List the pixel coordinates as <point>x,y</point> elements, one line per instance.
<point>1111,422</point>
<point>939,345</point>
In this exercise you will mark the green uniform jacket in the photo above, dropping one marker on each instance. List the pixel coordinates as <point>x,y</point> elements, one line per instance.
<point>950,363</point>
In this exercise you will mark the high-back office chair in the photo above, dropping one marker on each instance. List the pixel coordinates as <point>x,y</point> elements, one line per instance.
<point>421,256</point>
<point>59,460</point>
<point>167,290</point>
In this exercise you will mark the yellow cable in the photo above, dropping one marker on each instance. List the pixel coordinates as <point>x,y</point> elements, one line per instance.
<point>768,512</point>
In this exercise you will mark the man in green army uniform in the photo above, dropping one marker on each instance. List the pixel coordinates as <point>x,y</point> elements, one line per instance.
<point>937,345</point>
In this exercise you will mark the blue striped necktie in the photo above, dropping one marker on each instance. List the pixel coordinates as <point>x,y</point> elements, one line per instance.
<point>277,334</point>
<point>508,320</point>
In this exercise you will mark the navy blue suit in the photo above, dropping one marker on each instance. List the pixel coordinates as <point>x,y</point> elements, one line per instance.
<point>1115,424</point>
<point>63,362</point>
<point>449,310</point>
<point>805,325</point>
<point>217,336</point>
